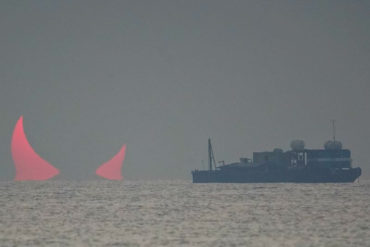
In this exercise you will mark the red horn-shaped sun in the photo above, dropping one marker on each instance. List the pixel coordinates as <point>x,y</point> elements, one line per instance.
<point>28,164</point>
<point>112,169</point>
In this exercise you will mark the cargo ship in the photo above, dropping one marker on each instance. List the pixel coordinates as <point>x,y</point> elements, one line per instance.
<point>332,164</point>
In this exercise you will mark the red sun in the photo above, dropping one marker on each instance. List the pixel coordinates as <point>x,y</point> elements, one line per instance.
<point>28,164</point>
<point>112,168</point>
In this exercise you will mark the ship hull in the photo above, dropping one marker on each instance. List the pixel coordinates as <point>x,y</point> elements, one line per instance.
<point>276,176</point>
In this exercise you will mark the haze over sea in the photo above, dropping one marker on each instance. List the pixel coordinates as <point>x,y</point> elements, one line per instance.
<point>173,213</point>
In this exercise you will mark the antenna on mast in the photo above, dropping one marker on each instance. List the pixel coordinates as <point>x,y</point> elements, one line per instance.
<point>333,126</point>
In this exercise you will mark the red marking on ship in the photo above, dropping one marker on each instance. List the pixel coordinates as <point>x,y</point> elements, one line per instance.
<point>28,164</point>
<point>112,168</point>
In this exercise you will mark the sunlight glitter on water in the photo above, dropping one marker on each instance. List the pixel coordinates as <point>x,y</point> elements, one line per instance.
<point>173,213</point>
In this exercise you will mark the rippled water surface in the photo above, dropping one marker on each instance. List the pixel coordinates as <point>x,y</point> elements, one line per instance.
<point>96,213</point>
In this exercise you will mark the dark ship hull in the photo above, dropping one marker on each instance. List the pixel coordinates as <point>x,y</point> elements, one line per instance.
<point>288,176</point>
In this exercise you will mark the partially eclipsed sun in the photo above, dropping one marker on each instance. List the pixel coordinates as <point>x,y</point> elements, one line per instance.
<point>112,168</point>
<point>28,164</point>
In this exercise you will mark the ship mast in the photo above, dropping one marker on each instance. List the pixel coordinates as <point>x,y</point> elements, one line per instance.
<point>211,156</point>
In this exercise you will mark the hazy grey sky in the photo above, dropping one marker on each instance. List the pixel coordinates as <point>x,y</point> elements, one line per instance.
<point>162,76</point>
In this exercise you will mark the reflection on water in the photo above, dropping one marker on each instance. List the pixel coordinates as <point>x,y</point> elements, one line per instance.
<point>180,213</point>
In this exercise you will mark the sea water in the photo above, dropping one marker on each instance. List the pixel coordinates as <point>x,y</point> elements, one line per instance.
<point>179,213</point>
